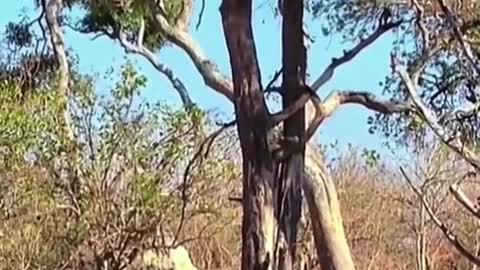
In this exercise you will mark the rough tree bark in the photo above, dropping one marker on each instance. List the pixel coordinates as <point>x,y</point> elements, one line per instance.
<point>258,224</point>
<point>289,182</point>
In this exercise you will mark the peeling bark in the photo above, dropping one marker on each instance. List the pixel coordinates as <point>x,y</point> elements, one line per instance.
<point>258,224</point>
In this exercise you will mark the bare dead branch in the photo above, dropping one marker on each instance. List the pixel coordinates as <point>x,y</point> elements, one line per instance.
<point>463,199</point>
<point>366,99</point>
<point>349,55</point>
<point>451,237</point>
<point>327,74</point>
<point>160,67</point>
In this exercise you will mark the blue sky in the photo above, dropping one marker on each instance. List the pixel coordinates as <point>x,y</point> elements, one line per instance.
<point>347,125</point>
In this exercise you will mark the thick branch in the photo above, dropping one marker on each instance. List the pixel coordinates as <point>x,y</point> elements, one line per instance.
<point>326,108</point>
<point>454,143</point>
<point>365,99</point>
<point>53,9</point>
<point>368,100</point>
<point>329,71</point>
<point>150,56</point>
<point>451,237</point>
<point>349,55</point>
<point>324,209</point>
<point>210,73</point>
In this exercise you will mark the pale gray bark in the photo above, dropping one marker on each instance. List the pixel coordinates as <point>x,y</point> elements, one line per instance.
<point>52,11</point>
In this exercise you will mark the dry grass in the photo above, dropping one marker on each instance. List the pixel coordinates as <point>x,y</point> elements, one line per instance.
<point>381,217</point>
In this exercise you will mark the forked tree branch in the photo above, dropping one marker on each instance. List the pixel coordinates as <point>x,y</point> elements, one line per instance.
<point>160,67</point>
<point>328,73</point>
<point>451,237</point>
<point>325,109</point>
<point>214,79</point>
<point>217,81</point>
<point>366,99</point>
<point>207,69</point>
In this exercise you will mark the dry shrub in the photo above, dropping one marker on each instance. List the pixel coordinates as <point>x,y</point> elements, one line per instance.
<point>381,215</point>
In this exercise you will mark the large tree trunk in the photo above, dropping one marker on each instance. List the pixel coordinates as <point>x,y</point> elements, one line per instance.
<point>290,180</point>
<point>330,239</point>
<point>258,224</point>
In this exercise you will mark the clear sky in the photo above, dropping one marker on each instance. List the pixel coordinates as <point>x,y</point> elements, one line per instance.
<point>348,125</point>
